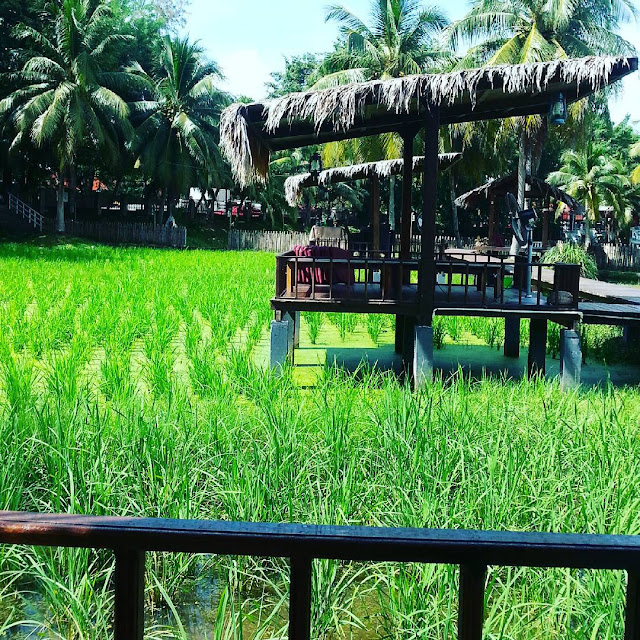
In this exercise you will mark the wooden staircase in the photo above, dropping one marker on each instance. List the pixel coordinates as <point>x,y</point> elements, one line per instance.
<point>19,219</point>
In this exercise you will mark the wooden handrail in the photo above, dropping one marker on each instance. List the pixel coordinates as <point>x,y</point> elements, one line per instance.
<point>473,551</point>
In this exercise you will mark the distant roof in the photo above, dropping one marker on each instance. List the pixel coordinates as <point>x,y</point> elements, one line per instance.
<point>249,132</point>
<point>499,187</point>
<point>383,169</point>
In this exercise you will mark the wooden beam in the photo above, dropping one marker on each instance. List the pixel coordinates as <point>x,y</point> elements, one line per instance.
<point>375,211</point>
<point>427,273</point>
<point>407,181</point>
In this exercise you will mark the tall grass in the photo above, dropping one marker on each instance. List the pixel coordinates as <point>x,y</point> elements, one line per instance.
<point>149,406</point>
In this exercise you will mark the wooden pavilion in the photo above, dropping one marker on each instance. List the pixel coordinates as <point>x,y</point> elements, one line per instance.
<point>496,189</point>
<point>413,289</point>
<point>373,172</point>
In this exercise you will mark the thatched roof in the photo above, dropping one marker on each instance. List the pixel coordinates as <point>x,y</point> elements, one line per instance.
<point>383,169</point>
<point>249,132</point>
<point>499,187</point>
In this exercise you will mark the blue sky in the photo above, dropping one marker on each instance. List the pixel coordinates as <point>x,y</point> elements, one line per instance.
<point>250,38</point>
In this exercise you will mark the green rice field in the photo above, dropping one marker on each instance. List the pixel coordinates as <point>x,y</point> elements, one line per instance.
<point>132,383</point>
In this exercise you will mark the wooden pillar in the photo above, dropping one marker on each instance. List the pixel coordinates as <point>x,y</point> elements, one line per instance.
<point>407,180</point>
<point>545,227</point>
<point>427,273</point>
<point>492,222</point>
<point>375,211</point>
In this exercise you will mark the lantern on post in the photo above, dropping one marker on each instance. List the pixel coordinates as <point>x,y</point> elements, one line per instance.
<point>558,109</point>
<point>315,165</point>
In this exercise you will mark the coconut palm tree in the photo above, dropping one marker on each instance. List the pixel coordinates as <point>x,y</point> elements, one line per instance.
<point>401,39</point>
<point>525,31</point>
<point>521,31</point>
<point>593,178</point>
<point>177,120</point>
<point>69,88</point>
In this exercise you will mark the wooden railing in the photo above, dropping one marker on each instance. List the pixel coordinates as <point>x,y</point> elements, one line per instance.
<point>463,278</point>
<point>473,551</point>
<point>33,217</point>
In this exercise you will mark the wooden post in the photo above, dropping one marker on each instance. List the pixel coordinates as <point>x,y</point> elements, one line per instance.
<point>471,605</point>
<point>545,227</point>
<point>427,274</point>
<point>632,613</point>
<point>300,599</point>
<point>129,596</point>
<point>375,211</point>
<point>492,221</point>
<point>407,180</point>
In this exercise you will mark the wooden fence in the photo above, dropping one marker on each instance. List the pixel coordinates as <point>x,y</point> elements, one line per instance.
<point>281,241</point>
<point>129,233</point>
<point>616,256</point>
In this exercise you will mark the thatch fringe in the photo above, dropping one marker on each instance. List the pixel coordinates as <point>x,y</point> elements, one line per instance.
<point>498,187</point>
<point>248,156</point>
<point>340,106</point>
<point>383,169</point>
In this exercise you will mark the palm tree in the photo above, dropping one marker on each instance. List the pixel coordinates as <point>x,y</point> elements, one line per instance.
<point>68,96</point>
<point>400,40</point>
<point>594,179</point>
<point>524,31</point>
<point>178,121</point>
<point>521,31</point>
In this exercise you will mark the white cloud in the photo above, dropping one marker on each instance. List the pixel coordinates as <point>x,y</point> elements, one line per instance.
<point>246,72</point>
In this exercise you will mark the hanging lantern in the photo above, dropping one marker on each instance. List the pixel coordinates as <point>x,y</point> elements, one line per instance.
<point>315,165</point>
<point>558,109</point>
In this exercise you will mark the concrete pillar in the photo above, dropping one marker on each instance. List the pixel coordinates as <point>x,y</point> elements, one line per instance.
<point>537,346</point>
<point>422,356</point>
<point>570,358</point>
<point>279,349</point>
<point>512,336</point>
<point>408,328</point>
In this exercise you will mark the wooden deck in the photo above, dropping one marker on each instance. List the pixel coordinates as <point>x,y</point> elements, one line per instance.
<point>608,292</point>
<point>477,291</point>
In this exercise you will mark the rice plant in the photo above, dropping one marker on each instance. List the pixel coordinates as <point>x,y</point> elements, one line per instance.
<point>129,398</point>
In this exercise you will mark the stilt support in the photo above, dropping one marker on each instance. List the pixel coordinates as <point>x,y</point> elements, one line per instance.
<point>570,358</point>
<point>512,336</point>
<point>537,346</point>
<point>279,350</point>
<point>422,356</point>
<point>399,334</point>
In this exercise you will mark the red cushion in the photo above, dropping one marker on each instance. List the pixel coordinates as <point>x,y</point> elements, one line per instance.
<point>322,272</point>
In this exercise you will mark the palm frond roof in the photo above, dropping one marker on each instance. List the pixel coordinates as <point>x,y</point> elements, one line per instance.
<point>499,187</point>
<point>250,132</point>
<point>294,185</point>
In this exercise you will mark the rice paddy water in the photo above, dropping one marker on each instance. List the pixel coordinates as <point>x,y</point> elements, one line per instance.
<point>131,385</point>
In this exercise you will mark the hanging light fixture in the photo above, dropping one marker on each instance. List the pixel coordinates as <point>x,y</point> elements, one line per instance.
<point>558,109</point>
<point>315,165</point>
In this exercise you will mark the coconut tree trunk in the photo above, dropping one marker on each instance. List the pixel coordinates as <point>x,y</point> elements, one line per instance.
<point>72,191</point>
<point>60,205</point>
<point>454,209</point>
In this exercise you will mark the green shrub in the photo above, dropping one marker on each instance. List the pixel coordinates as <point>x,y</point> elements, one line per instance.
<point>573,254</point>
